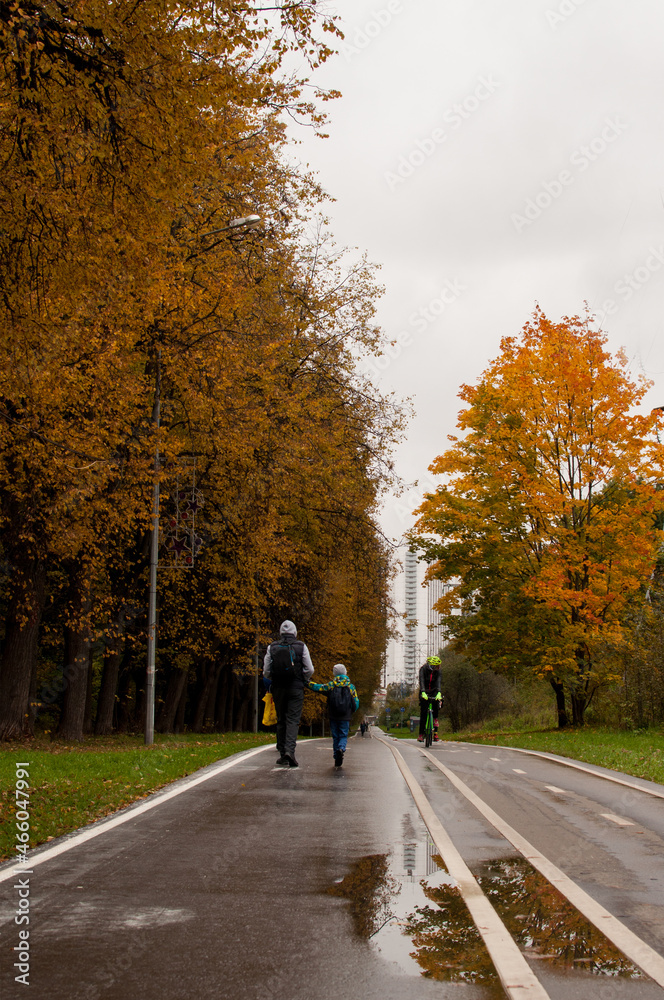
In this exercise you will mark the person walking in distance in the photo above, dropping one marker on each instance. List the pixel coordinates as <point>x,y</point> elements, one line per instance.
<point>286,669</point>
<point>430,692</point>
<point>342,703</point>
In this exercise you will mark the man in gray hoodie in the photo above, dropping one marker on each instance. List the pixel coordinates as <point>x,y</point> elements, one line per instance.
<point>286,668</point>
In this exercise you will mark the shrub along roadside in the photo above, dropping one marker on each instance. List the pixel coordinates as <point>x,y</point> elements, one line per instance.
<point>639,753</point>
<point>72,785</point>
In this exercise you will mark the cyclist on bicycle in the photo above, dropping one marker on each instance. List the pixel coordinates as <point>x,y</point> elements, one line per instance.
<point>430,692</point>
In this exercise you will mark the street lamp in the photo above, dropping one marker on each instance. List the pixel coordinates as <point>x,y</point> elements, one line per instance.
<point>241,226</point>
<point>246,222</point>
<point>235,225</point>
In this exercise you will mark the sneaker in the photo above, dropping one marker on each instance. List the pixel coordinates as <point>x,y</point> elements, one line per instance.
<point>420,738</point>
<point>436,738</point>
<point>291,760</point>
<point>338,758</point>
<point>284,760</point>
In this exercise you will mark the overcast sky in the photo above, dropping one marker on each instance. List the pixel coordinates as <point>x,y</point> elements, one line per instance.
<point>491,155</point>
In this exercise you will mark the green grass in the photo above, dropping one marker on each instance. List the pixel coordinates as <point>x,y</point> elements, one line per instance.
<point>638,753</point>
<point>73,784</point>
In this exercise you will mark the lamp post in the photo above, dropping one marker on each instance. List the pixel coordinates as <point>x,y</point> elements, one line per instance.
<point>256,673</point>
<point>243,223</point>
<point>154,559</point>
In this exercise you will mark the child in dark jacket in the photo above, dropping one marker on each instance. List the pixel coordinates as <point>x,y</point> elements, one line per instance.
<point>342,702</point>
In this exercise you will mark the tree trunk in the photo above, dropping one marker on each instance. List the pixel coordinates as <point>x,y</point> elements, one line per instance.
<point>580,697</point>
<point>222,695</point>
<point>109,681</point>
<point>140,701</point>
<point>33,703</point>
<point>209,677</point>
<point>19,652</point>
<point>231,692</point>
<point>579,705</point>
<point>559,690</point>
<point>87,716</point>
<point>177,681</point>
<point>121,707</point>
<point>77,658</point>
<point>75,680</point>
<point>241,723</point>
<point>180,714</point>
<point>76,669</point>
<point>212,700</point>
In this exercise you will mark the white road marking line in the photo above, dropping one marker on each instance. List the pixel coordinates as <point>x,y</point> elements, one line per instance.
<point>588,770</point>
<point>514,972</point>
<point>620,820</point>
<point>128,814</point>
<point>518,771</point>
<point>496,758</point>
<point>554,788</point>
<point>630,944</point>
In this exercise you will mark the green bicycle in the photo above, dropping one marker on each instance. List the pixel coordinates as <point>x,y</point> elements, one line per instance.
<point>428,725</point>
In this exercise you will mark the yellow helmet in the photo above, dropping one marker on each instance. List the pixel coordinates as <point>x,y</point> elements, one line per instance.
<point>433,661</point>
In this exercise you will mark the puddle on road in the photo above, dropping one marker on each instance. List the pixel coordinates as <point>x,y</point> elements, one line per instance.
<point>544,923</point>
<point>390,899</point>
<point>410,910</point>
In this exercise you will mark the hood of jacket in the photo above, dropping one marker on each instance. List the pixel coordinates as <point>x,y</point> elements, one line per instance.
<point>288,628</point>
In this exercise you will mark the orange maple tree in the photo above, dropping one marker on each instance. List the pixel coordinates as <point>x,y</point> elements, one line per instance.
<point>546,516</point>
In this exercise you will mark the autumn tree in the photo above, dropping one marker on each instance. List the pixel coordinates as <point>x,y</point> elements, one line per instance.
<point>545,521</point>
<point>133,134</point>
<point>292,447</point>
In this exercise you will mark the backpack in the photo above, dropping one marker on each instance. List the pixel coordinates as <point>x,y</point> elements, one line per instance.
<point>340,702</point>
<point>285,662</point>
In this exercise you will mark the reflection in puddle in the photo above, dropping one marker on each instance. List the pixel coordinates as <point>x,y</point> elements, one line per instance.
<point>448,945</point>
<point>411,911</point>
<point>370,889</point>
<point>545,925</point>
<point>390,897</point>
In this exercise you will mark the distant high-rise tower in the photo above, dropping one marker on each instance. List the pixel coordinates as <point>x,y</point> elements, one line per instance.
<point>436,638</point>
<point>410,640</point>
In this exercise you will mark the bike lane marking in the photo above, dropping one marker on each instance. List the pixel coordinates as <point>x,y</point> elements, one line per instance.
<point>579,767</point>
<point>619,820</point>
<point>129,812</point>
<point>622,937</point>
<point>515,974</point>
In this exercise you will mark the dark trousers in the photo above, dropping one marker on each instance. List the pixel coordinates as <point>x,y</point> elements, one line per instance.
<point>424,707</point>
<point>288,705</point>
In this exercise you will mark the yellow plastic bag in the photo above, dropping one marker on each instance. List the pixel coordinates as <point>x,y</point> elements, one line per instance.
<point>270,713</point>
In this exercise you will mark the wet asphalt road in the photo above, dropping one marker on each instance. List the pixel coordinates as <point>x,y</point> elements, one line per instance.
<point>308,883</point>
